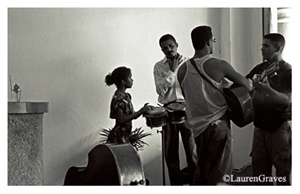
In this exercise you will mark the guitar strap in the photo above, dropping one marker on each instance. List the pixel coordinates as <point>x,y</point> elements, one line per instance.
<point>205,78</point>
<point>240,118</point>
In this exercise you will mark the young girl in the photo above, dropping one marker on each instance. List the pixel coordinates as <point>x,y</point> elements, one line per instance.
<point>121,108</point>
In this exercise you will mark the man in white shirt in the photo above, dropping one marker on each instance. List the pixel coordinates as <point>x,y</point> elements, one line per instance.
<point>169,92</point>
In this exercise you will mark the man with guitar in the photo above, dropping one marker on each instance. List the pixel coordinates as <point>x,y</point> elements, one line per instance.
<point>272,109</point>
<point>202,80</point>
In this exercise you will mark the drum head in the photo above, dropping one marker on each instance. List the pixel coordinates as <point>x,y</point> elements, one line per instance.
<point>156,111</point>
<point>176,107</point>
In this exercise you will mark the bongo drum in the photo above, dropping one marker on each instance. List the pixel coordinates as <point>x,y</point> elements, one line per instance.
<point>156,117</point>
<point>176,113</point>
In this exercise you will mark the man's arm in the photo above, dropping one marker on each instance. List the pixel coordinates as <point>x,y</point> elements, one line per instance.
<point>278,99</point>
<point>163,83</point>
<point>181,73</point>
<point>231,74</point>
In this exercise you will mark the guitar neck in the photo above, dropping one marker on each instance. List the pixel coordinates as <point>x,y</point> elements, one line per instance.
<point>269,72</point>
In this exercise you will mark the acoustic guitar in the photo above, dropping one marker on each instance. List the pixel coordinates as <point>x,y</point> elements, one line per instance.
<point>268,73</point>
<point>240,105</point>
<point>240,101</point>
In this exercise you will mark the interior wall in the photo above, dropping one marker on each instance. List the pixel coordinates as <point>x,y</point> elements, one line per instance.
<point>62,56</point>
<point>245,40</point>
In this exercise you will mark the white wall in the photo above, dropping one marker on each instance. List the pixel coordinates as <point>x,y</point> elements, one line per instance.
<point>61,56</point>
<point>246,39</point>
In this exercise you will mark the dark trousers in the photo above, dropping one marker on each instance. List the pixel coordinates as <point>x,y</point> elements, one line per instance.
<point>272,148</point>
<point>171,139</point>
<point>214,148</point>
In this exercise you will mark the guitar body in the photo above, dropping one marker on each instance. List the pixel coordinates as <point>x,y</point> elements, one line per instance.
<point>109,164</point>
<point>240,105</point>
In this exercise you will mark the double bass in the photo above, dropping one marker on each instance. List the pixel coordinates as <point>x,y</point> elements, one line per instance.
<point>109,164</point>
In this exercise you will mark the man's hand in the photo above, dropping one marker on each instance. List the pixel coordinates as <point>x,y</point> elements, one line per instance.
<point>262,85</point>
<point>174,63</point>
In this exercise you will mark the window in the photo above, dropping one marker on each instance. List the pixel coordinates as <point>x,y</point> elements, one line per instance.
<point>279,20</point>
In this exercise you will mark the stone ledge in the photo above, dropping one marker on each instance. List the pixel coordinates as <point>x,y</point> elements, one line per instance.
<point>27,107</point>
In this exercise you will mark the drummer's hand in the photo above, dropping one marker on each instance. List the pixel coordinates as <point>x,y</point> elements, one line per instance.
<point>150,107</point>
<point>146,107</point>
